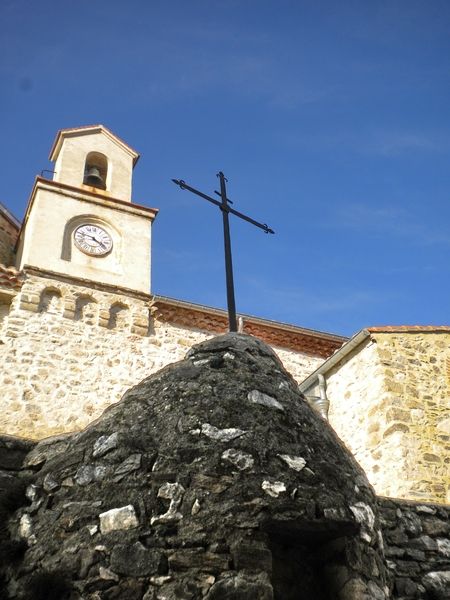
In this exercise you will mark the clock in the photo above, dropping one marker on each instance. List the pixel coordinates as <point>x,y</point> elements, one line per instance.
<point>92,239</point>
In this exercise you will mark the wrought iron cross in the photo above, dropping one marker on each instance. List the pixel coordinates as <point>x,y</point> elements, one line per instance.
<point>224,206</point>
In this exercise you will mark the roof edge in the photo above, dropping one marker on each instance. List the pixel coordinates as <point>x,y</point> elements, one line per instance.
<point>72,131</point>
<point>9,216</point>
<point>97,285</point>
<point>261,320</point>
<point>116,202</point>
<point>408,328</point>
<point>360,337</point>
<point>352,343</point>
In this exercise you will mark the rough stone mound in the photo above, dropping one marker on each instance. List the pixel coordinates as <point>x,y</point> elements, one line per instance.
<point>210,479</point>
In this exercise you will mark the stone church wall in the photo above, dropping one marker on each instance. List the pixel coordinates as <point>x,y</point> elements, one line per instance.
<point>69,351</point>
<point>394,392</point>
<point>8,237</point>
<point>350,398</point>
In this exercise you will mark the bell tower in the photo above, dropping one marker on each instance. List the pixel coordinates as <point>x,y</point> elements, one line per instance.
<point>83,222</point>
<point>95,159</point>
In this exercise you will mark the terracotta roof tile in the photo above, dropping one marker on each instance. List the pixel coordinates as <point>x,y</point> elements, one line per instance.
<point>313,343</point>
<point>10,278</point>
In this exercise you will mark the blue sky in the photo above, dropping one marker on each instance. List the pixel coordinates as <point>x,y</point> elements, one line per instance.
<point>330,120</point>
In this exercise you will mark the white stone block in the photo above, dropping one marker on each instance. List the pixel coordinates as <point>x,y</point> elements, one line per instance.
<point>118,518</point>
<point>274,488</point>
<point>221,435</point>
<point>294,462</point>
<point>257,397</point>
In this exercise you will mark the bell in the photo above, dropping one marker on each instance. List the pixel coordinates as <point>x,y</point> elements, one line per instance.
<point>93,177</point>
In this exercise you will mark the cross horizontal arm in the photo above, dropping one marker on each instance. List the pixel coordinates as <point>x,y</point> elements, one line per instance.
<point>262,226</point>
<point>184,186</point>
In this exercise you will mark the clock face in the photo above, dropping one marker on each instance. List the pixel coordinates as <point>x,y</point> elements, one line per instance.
<point>92,240</point>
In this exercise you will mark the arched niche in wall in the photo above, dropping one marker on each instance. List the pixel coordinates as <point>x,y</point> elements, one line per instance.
<point>50,301</point>
<point>72,224</point>
<point>96,170</point>
<point>5,306</point>
<point>86,309</point>
<point>119,316</point>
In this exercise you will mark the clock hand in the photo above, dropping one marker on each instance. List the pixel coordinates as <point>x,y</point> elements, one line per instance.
<point>95,240</point>
<point>98,241</point>
<point>100,244</point>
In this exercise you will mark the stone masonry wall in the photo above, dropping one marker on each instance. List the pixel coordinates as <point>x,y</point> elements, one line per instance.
<point>394,392</point>
<point>354,388</point>
<point>415,417</point>
<point>8,237</point>
<point>67,352</point>
<point>417,546</point>
<point>415,535</point>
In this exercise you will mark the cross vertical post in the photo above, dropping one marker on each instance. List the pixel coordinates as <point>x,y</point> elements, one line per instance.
<point>224,206</point>
<point>232,321</point>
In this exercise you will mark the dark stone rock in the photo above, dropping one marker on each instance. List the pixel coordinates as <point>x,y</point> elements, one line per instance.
<point>407,567</point>
<point>437,584</point>
<point>241,587</point>
<point>126,590</point>
<point>393,551</point>
<point>54,445</point>
<point>436,527</point>
<point>404,586</point>
<point>424,542</point>
<point>134,560</point>
<point>104,444</point>
<point>411,523</point>
<point>131,463</point>
<point>197,558</point>
<point>252,557</point>
<point>13,452</point>
<point>416,558</point>
<point>396,537</point>
<point>415,554</point>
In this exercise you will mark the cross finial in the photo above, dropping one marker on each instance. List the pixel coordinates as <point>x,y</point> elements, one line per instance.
<point>226,209</point>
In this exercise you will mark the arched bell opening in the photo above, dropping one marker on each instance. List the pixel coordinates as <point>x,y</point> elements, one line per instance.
<point>96,170</point>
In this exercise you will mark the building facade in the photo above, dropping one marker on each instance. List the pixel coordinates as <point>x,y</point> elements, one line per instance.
<point>392,384</point>
<point>79,326</point>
